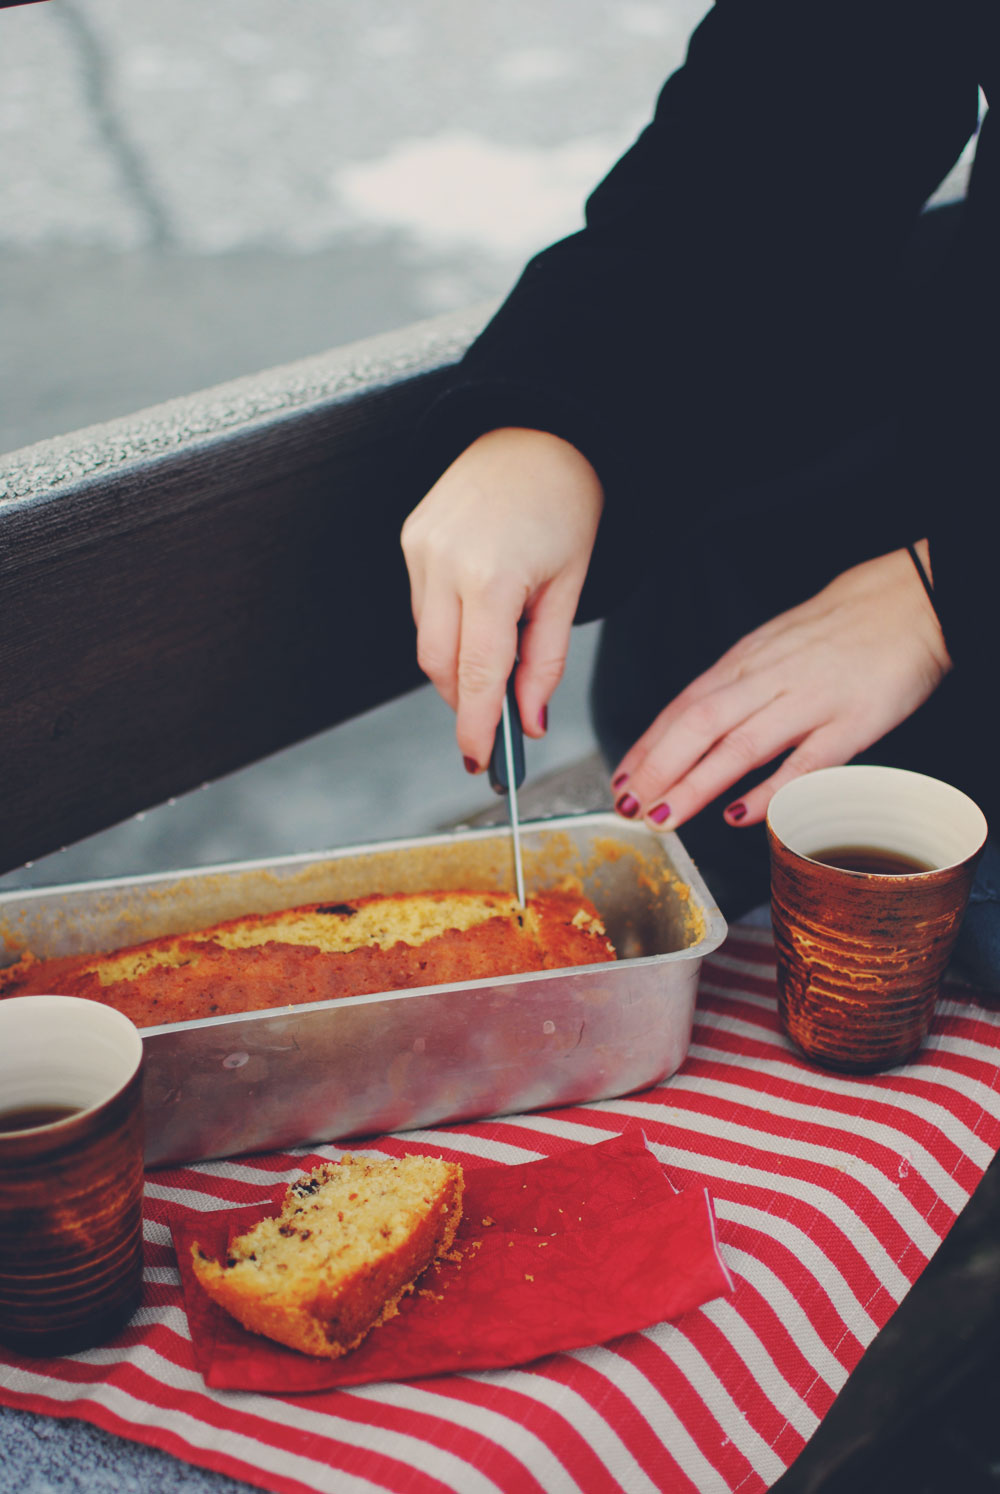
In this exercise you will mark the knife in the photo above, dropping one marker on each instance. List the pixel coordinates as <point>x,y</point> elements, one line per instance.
<point>507,771</point>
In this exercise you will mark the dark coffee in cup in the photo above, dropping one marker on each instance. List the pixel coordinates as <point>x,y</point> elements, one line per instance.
<point>71,1173</point>
<point>28,1117</point>
<point>874,861</point>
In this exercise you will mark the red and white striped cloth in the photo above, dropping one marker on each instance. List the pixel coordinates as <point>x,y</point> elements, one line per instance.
<point>831,1195</point>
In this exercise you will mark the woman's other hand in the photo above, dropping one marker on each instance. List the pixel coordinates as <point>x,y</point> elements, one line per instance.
<point>821,682</point>
<point>503,537</point>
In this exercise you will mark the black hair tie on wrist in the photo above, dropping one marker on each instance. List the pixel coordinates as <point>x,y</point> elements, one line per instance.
<point>921,572</point>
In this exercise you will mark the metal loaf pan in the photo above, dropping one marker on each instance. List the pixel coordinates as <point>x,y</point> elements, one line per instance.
<point>364,1065</point>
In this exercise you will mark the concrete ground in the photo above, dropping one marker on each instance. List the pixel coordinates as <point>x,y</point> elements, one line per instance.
<point>191,192</point>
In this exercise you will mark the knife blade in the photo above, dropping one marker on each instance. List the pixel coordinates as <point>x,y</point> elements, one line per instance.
<point>507,772</point>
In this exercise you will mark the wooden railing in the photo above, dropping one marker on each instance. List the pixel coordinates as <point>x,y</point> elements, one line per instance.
<point>185,590</point>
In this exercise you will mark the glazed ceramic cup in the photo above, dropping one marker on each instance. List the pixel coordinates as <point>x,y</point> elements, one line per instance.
<point>860,954</point>
<point>70,1190</point>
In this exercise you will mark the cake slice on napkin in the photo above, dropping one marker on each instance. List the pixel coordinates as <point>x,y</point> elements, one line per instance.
<point>351,1239</point>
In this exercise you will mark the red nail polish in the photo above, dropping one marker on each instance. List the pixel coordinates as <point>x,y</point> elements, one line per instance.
<point>471,766</point>
<point>543,718</point>
<point>660,813</point>
<point>736,811</point>
<point>619,780</point>
<point>628,806</point>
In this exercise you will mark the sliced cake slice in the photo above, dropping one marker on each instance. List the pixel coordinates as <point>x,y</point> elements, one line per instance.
<point>352,1237</point>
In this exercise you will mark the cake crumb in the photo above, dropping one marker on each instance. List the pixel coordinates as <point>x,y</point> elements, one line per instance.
<point>487,1221</point>
<point>528,1276</point>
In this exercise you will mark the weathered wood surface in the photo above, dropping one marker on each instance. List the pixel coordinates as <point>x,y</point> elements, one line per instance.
<point>190,589</point>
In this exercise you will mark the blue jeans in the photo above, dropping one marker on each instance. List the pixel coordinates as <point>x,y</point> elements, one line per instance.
<point>977,950</point>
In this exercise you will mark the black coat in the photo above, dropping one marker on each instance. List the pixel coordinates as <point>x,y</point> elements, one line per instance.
<point>743,300</point>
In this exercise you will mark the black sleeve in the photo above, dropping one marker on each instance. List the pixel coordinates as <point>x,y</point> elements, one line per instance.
<point>729,302</point>
<point>953,421</point>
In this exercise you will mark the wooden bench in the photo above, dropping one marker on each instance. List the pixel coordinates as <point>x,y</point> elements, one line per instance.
<point>190,588</point>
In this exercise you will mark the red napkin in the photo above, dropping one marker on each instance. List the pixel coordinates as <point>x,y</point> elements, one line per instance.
<point>555,1254</point>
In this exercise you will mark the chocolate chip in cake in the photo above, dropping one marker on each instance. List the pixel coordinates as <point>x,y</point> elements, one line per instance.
<point>343,910</point>
<point>304,1189</point>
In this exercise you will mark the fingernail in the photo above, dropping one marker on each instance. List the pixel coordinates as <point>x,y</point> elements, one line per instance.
<point>543,718</point>
<point>660,813</point>
<point>617,782</point>
<point>736,811</point>
<point>471,766</point>
<point>628,806</point>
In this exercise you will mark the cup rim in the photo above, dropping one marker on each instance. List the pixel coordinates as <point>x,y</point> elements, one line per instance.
<point>106,1015</point>
<point>876,771</point>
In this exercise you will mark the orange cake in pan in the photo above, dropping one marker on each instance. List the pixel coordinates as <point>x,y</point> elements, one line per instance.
<point>326,950</point>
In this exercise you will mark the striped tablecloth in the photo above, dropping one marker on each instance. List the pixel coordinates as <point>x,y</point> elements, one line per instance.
<point>831,1195</point>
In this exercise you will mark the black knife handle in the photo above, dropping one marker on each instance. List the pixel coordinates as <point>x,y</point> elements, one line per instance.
<point>498,759</point>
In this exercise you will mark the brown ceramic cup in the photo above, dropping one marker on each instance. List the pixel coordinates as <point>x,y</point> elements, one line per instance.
<point>71,1175</point>
<point>861,952</point>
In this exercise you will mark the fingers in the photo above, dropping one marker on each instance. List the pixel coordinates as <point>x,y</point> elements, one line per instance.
<point>468,655</point>
<point>467,650</point>
<point>490,645</point>
<point>690,727</point>
<point>697,749</point>
<point>689,767</point>
<point>706,739</point>
<point>822,749</point>
<point>486,654</point>
<point>466,643</point>
<point>753,743</point>
<point>776,689</point>
<point>543,649</point>
<point>439,627</point>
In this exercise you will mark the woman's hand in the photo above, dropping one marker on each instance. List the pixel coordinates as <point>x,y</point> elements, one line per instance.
<point>826,679</point>
<point>503,537</point>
